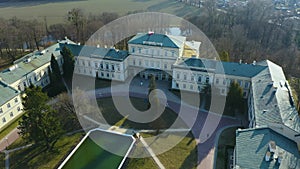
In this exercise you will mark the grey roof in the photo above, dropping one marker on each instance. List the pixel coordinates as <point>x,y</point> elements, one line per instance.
<point>252,145</point>
<point>272,99</point>
<point>227,68</point>
<point>37,60</point>
<point>6,93</point>
<point>155,39</point>
<point>97,52</point>
<point>239,69</point>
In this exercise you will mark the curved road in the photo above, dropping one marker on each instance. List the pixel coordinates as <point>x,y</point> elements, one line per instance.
<point>205,128</point>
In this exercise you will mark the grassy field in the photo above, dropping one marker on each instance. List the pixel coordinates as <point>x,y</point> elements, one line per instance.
<point>112,116</point>
<point>56,11</point>
<point>36,157</point>
<point>183,155</point>
<point>9,128</point>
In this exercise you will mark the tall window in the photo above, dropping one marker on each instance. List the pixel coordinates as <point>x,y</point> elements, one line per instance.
<point>3,120</point>
<point>132,49</point>
<point>199,78</point>
<point>184,77</point>
<point>8,105</point>
<point>16,100</point>
<point>1,111</point>
<point>207,79</point>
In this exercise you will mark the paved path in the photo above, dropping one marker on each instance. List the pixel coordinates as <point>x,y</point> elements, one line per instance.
<point>206,125</point>
<point>160,165</point>
<point>9,139</point>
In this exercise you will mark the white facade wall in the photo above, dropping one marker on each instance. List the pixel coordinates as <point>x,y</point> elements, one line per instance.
<point>106,69</point>
<point>190,80</point>
<point>10,111</point>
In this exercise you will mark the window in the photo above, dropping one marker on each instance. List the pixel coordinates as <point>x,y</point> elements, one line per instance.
<point>96,65</point>
<point>83,63</point>
<point>102,74</point>
<point>178,76</point>
<point>106,65</point>
<point>224,82</point>
<point>246,85</point>
<point>184,86</point>
<point>8,105</point>
<point>223,91</point>
<point>244,94</point>
<point>1,111</point>
<point>207,79</point>
<point>177,85</point>
<point>24,84</point>
<point>132,49</point>
<point>112,75</point>
<point>91,72</point>
<point>140,62</point>
<point>199,78</point>
<point>192,78</point>
<point>35,78</point>
<point>101,65</point>
<point>191,87</point>
<point>89,63</point>
<point>3,120</point>
<point>19,87</point>
<point>166,53</point>
<point>173,53</point>
<point>11,114</point>
<point>112,67</point>
<point>140,50</point>
<point>30,82</point>
<point>240,82</point>
<point>184,77</point>
<point>217,81</point>
<point>118,67</point>
<point>107,75</point>
<point>133,61</point>
<point>16,100</point>
<point>152,64</point>
<point>166,66</point>
<point>18,108</point>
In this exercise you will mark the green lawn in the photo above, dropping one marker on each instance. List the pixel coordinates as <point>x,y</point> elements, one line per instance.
<point>112,116</point>
<point>226,140</point>
<point>182,156</point>
<point>56,11</point>
<point>9,128</point>
<point>37,157</point>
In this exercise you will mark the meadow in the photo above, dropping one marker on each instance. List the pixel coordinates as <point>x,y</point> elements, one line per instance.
<point>56,11</point>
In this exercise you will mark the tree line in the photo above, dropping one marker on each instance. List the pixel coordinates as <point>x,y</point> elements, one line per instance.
<point>253,32</point>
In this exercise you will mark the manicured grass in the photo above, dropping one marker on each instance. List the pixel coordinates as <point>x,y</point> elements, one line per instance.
<point>226,140</point>
<point>9,128</point>
<point>37,157</point>
<point>112,116</point>
<point>183,155</point>
<point>56,11</point>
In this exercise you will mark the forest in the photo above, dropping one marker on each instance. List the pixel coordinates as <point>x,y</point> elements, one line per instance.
<point>254,32</point>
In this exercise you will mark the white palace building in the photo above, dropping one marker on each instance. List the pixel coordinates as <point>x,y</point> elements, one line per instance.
<point>271,105</point>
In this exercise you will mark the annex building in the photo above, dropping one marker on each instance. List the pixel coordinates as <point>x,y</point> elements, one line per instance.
<point>272,139</point>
